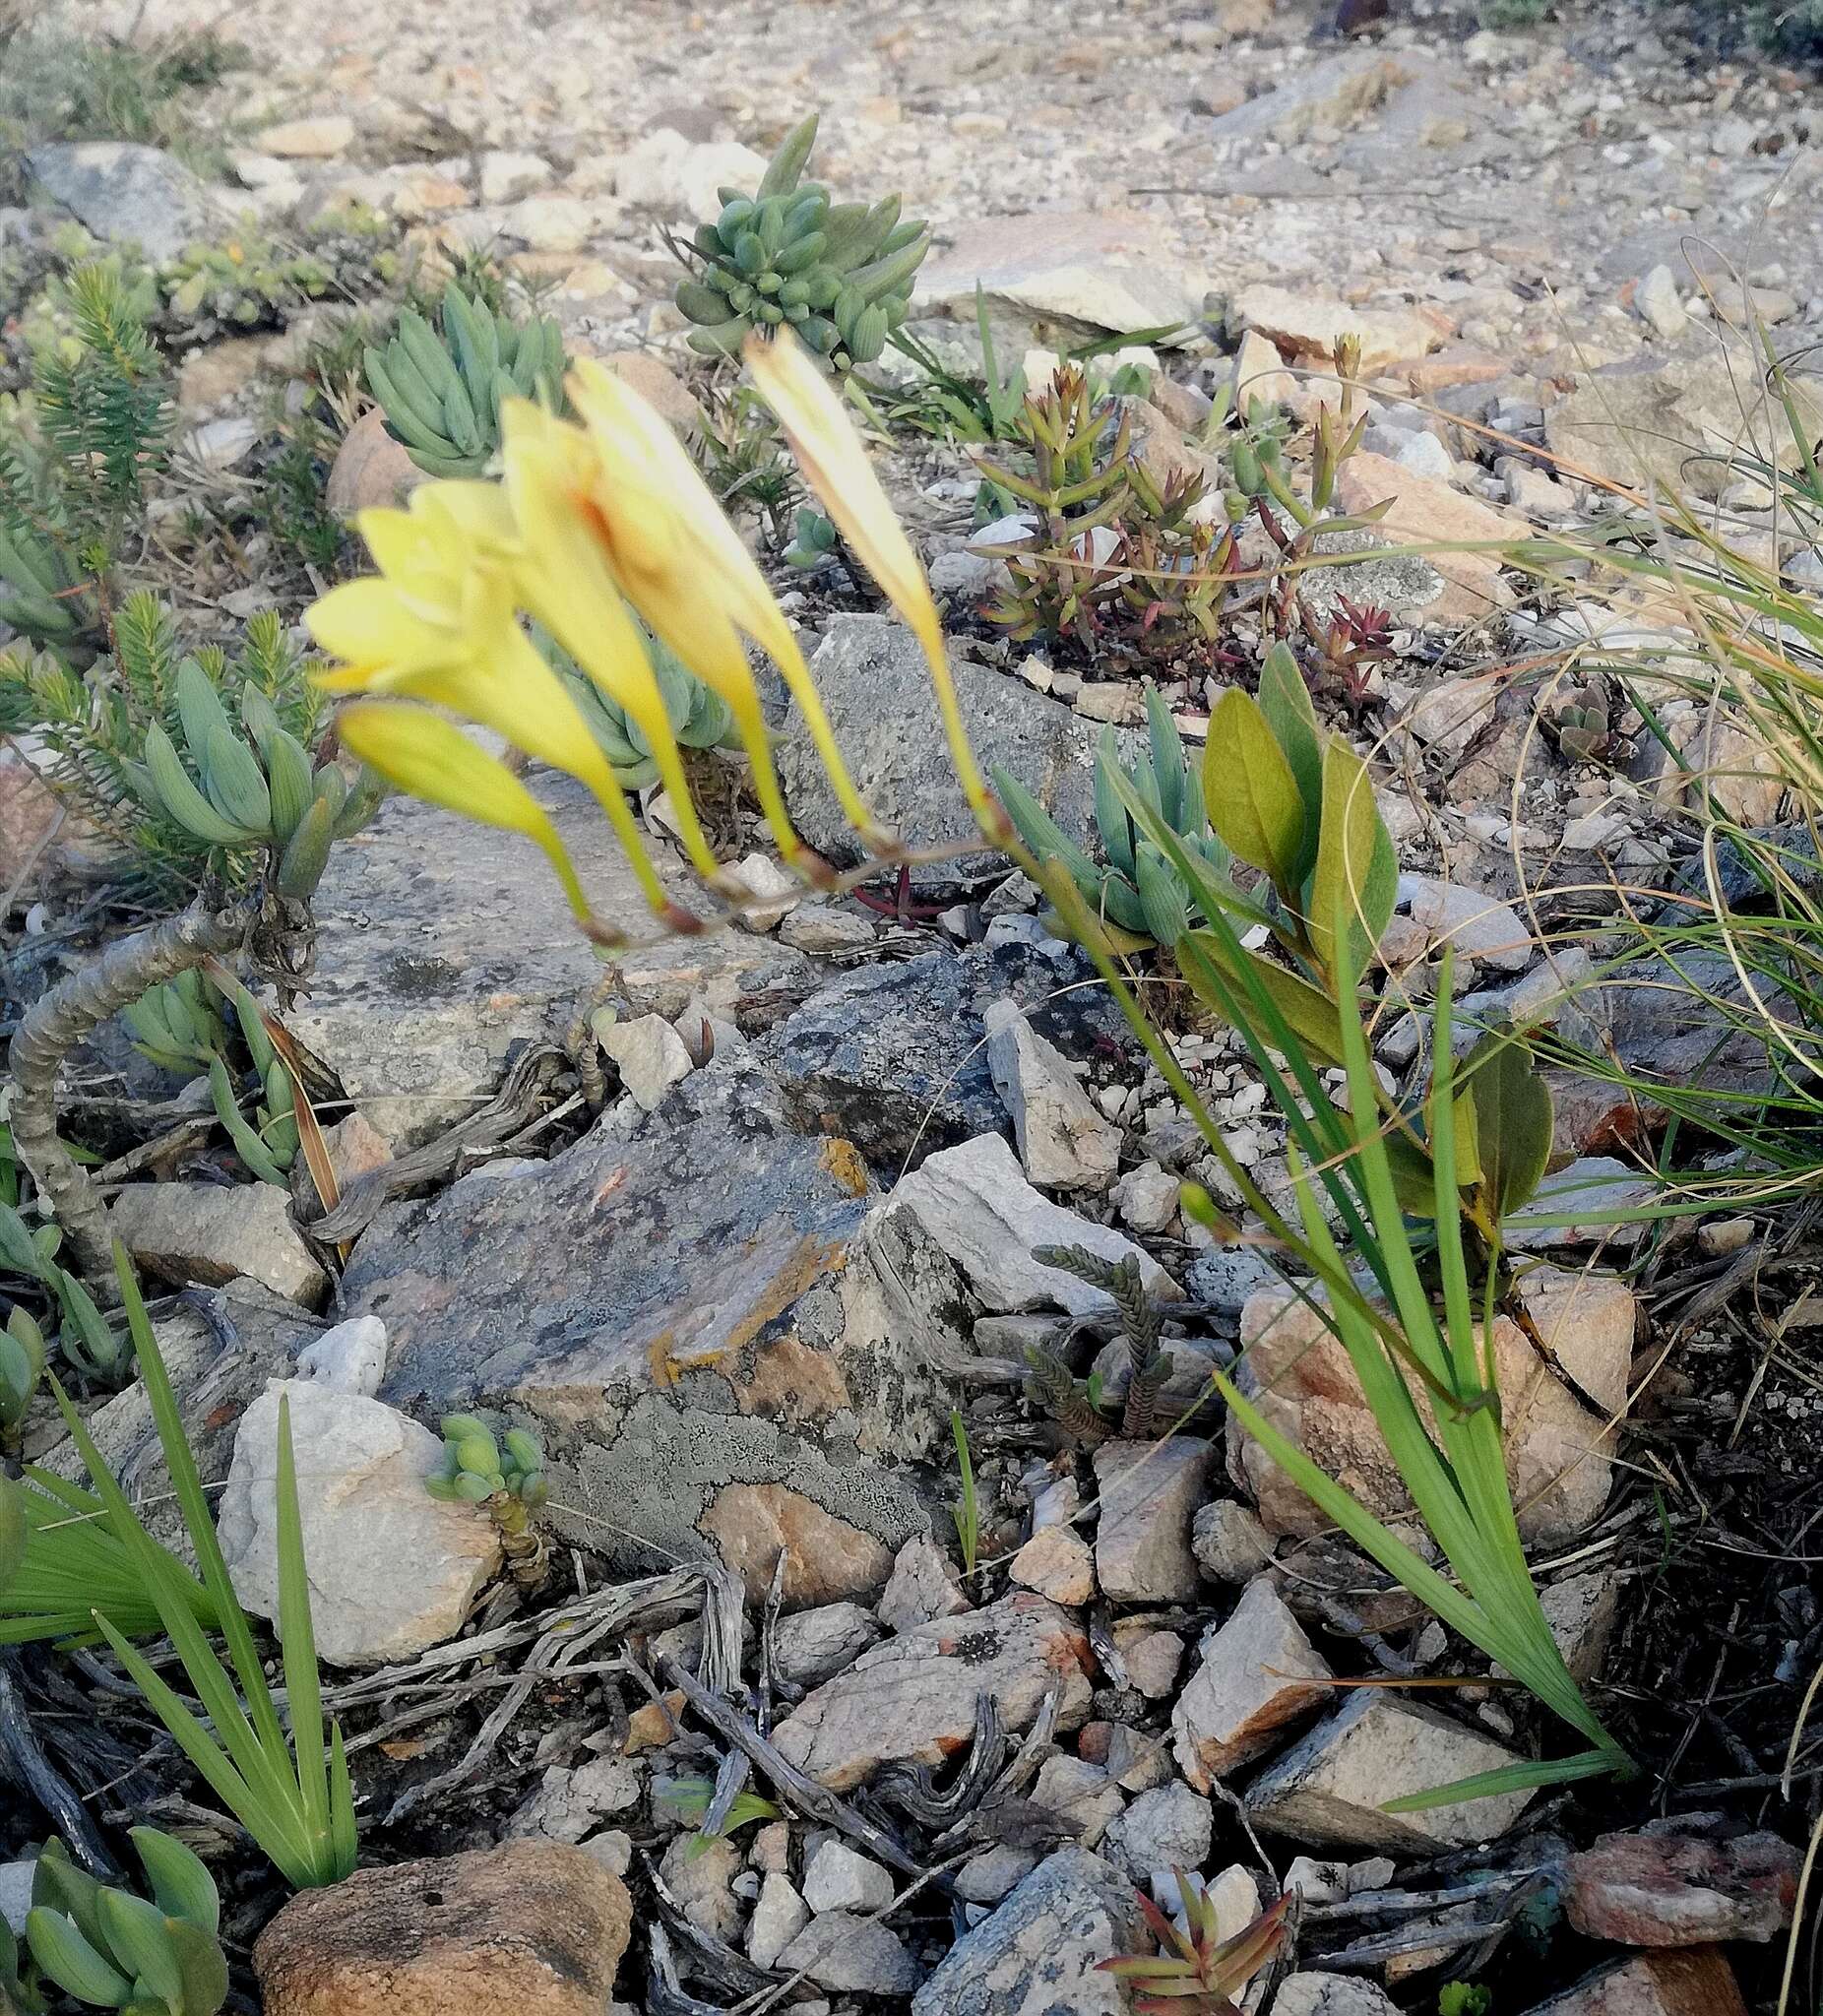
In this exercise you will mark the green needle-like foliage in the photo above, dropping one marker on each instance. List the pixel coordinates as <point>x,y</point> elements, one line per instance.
<point>291,1793</point>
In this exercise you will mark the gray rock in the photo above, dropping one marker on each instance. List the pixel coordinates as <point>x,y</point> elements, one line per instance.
<point>893,1058</point>
<point>924,1585</point>
<point>676,1317</point>
<point>442,946</point>
<point>1148,1491</point>
<point>1061,271</point>
<point>991,1875</point>
<point>650,1056</point>
<point>571,1805</point>
<point>210,1234</point>
<point>1583,1193</point>
<point>701,1876</point>
<point>810,1645</point>
<point>16,1881</point>
<point>1331,1995</point>
<point>1258,1672</point>
<point>973,1204</point>
<point>1064,1140</point>
<point>912,1698</point>
<point>1331,1789</point>
<point>1083,1796</point>
<point>392,1570</point>
<point>877,691</point>
<point>1327,93</point>
<point>1227,1277</point>
<point>778,1915</point>
<point>850,1955</point>
<point>1037,1955</point>
<point>1479,927</point>
<point>839,1880</point>
<point>350,1357</point>
<point>126,194</point>
<point>1658,300</point>
<point>1228,1541</point>
<point>1406,585</point>
<point>1170,1828</point>
<point>822,927</point>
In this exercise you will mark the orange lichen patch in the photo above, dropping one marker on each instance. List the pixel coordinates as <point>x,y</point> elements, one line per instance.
<point>843,1159</point>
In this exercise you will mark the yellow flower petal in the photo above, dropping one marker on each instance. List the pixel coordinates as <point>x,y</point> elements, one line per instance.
<point>431,758</point>
<point>836,465</point>
<point>368,622</point>
<point>683,566</point>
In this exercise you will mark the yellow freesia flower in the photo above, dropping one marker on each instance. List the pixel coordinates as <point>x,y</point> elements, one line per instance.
<point>561,578</point>
<point>836,465</point>
<point>439,623</point>
<point>683,565</point>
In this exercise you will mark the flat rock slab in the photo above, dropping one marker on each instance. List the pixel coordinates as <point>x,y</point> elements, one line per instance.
<point>893,1058</point>
<point>883,710</point>
<point>912,1698</point>
<point>127,194</point>
<point>1064,269</point>
<point>205,1234</point>
<point>1150,1493</point>
<point>1330,1790</point>
<point>1258,1671</point>
<point>646,1305</point>
<point>1037,1954</point>
<point>441,945</point>
<point>1669,1884</point>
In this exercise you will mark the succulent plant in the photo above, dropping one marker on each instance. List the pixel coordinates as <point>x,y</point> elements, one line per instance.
<point>839,274</point>
<point>700,719</point>
<point>441,394</point>
<point>244,793</point>
<point>86,1339</point>
<point>22,1367</point>
<point>813,540</point>
<point>178,1024</point>
<point>109,1949</point>
<point>1139,893</point>
<point>269,1147</point>
<point>1196,1972</point>
<point>45,592</point>
<point>507,1476</point>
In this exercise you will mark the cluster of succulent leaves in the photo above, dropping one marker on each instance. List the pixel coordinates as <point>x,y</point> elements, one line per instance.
<point>476,1465</point>
<point>1137,894</point>
<point>700,717</point>
<point>76,454</point>
<point>88,1345</point>
<point>838,274</point>
<point>109,1948</point>
<point>115,733</point>
<point>441,388</point>
<point>178,1024</point>
<point>1196,1972</point>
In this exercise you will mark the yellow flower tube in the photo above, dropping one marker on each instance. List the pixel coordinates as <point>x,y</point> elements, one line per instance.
<point>439,624</point>
<point>431,758</point>
<point>561,578</point>
<point>831,455</point>
<point>684,568</point>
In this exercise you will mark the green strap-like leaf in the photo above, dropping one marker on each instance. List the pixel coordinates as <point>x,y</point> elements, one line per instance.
<point>1250,793</point>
